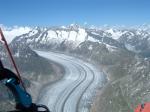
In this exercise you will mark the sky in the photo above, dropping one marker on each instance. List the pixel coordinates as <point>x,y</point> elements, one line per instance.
<point>65,12</point>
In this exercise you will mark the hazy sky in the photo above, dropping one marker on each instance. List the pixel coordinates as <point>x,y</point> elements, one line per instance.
<point>64,12</point>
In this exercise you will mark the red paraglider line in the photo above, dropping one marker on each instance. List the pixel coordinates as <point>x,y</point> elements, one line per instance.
<point>11,57</point>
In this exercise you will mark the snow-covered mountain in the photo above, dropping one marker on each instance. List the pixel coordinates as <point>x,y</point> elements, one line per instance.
<point>70,37</point>
<point>117,49</point>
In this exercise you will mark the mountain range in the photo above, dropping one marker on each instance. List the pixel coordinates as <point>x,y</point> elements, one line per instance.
<point>122,52</point>
<point>70,37</point>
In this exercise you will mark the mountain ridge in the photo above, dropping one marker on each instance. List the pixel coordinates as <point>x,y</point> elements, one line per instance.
<point>135,40</point>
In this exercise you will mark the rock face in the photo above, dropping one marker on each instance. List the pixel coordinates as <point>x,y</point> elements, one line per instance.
<point>27,60</point>
<point>123,53</point>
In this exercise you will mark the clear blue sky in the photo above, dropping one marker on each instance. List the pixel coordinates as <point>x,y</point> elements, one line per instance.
<point>64,12</point>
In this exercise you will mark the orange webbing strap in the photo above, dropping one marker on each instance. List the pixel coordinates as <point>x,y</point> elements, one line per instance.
<point>143,107</point>
<point>11,58</point>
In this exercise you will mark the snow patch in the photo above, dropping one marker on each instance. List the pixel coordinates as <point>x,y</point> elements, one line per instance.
<point>110,48</point>
<point>130,47</point>
<point>16,54</point>
<point>33,32</point>
<point>94,33</point>
<point>29,41</point>
<point>90,47</point>
<point>115,34</point>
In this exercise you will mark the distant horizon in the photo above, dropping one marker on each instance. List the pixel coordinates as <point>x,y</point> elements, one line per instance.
<point>82,25</point>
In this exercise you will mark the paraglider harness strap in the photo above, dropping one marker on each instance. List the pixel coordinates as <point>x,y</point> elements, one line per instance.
<point>22,98</point>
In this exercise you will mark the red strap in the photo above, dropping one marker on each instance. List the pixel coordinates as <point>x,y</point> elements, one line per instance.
<point>142,107</point>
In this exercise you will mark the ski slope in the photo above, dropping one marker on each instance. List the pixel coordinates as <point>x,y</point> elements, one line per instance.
<point>74,92</point>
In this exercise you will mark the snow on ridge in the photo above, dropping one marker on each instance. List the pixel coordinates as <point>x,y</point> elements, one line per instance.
<point>82,34</point>
<point>52,37</point>
<point>110,48</point>
<point>94,33</point>
<point>16,54</point>
<point>61,35</point>
<point>72,35</point>
<point>91,39</point>
<point>33,32</point>
<point>52,34</point>
<point>115,34</point>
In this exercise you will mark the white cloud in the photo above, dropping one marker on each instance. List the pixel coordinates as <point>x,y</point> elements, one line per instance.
<point>11,32</point>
